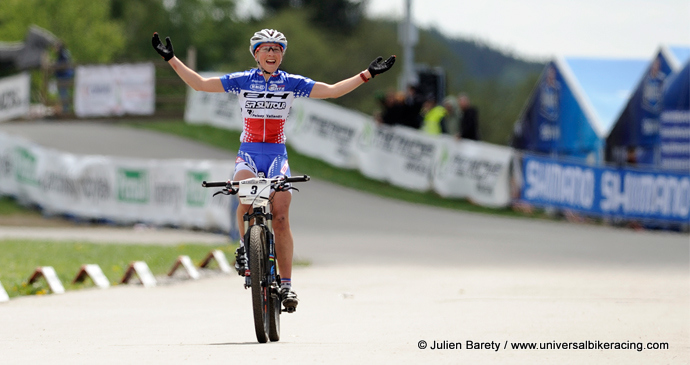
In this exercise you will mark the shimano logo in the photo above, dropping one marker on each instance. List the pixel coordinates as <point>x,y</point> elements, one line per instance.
<point>265,104</point>
<point>250,95</point>
<point>256,87</point>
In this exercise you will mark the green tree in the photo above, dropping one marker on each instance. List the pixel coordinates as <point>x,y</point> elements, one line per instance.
<point>335,16</point>
<point>208,25</point>
<point>85,26</point>
<point>329,57</point>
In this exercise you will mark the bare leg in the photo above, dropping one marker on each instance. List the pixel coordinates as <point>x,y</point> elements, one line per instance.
<point>283,234</point>
<point>242,208</point>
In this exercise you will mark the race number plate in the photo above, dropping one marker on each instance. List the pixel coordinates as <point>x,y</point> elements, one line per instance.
<point>255,192</point>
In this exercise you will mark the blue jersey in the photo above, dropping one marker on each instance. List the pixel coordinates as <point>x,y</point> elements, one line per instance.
<point>265,105</point>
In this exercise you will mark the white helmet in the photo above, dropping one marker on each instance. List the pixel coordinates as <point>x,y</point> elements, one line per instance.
<point>267,36</point>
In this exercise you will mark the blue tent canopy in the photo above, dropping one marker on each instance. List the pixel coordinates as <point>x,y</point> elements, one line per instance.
<point>574,106</point>
<point>677,90</point>
<point>636,138</point>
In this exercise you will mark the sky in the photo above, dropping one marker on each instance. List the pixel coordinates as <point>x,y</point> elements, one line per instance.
<point>542,29</point>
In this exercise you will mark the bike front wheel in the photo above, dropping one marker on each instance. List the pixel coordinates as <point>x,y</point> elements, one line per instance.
<point>260,288</point>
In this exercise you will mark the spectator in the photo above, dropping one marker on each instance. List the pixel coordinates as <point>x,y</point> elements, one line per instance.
<point>469,122</point>
<point>434,114</point>
<point>412,116</point>
<point>393,108</point>
<point>451,123</point>
<point>64,74</point>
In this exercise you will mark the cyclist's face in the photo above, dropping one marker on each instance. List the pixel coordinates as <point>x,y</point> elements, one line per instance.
<point>269,56</point>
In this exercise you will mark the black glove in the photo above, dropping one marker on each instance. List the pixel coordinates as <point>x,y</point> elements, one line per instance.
<point>165,51</point>
<point>378,66</point>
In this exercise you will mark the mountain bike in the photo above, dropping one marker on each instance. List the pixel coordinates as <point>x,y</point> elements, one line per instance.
<point>263,278</point>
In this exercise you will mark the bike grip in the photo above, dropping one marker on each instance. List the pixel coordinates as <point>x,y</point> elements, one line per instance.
<point>214,184</point>
<point>298,178</point>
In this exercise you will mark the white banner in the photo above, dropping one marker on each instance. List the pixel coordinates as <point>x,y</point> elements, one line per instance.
<point>217,109</point>
<point>325,131</point>
<point>122,190</point>
<point>14,96</point>
<point>403,156</point>
<point>114,90</point>
<point>474,170</point>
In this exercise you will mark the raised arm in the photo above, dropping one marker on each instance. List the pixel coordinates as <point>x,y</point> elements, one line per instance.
<point>189,76</point>
<point>325,91</point>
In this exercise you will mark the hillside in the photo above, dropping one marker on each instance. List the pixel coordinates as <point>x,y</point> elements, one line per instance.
<point>483,63</point>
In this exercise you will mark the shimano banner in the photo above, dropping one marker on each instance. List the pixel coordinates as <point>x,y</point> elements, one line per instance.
<point>603,191</point>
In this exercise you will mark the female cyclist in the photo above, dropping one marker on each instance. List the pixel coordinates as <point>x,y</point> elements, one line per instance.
<point>265,95</point>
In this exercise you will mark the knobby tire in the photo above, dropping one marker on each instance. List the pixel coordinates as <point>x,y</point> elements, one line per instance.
<point>260,302</point>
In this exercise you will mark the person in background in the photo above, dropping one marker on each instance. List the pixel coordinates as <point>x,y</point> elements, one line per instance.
<point>469,123</point>
<point>451,123</point>
<point>432,124</point>
<point>64,74</point>
<point>393,108</point>
<point>413,101</point>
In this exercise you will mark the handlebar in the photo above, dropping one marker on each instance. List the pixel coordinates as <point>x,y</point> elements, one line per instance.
<point>230,183</point>
<point>215,184</point>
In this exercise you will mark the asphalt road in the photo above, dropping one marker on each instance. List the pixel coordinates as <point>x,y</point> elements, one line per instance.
<point>384,276</point>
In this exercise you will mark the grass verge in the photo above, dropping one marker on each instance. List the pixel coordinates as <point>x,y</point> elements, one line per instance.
<point>9,206</point>
<point>20,258</point>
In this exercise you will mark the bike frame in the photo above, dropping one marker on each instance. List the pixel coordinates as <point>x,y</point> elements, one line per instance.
<point>265,291</point>
<point>263,218</point>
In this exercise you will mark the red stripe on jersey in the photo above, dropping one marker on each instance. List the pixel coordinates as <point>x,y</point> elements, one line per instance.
<point>263,130</point>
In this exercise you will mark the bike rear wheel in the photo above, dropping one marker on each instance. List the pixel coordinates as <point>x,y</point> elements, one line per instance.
<point>274,309</point>
<point>260,288</point>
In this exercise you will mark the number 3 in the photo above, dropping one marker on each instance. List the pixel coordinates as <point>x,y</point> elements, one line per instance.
<point>254,187</point>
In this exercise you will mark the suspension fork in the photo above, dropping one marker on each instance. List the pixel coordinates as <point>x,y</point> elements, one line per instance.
<point>270,243</point>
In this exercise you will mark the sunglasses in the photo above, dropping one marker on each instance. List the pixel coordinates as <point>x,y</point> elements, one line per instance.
<point>267,49</point>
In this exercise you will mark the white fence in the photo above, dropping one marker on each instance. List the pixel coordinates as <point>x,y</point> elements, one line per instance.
<point>122,190</point>
<point>14,96</point>
<point>402,156</point>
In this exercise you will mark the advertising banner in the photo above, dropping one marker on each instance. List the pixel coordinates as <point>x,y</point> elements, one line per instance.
<point>217,109</point>
<point>675,122</point>
<point>399,155</point>
<point>402,156</point>
<point>14,96</point>
<point>474,170</point>
<point>325,131</point>
<point>122,190</point>
<point>114,90</point>
<point>675,140</point>
<point>606,191</point>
